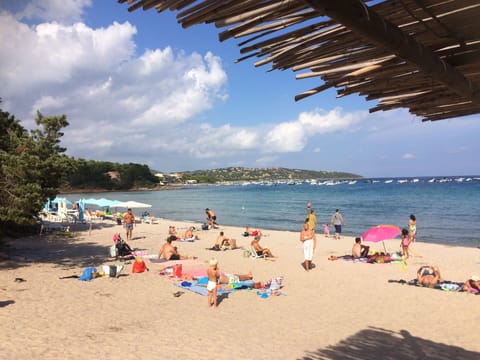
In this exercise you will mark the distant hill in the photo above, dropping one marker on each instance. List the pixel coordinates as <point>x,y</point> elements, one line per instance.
<point>261,174</point>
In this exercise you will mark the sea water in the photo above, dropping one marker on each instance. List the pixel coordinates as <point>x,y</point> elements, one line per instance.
<point>447,209</point>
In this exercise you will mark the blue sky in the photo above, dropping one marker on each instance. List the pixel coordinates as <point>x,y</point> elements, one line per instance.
<point>137,87</point>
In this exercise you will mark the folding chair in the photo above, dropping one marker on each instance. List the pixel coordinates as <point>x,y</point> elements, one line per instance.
<point>254,255</point>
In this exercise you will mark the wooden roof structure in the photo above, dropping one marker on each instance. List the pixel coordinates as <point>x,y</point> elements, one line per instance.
<point>423,55</point>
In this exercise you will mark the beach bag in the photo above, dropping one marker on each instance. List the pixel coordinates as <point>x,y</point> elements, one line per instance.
<point>246,253</point>
<point>113,251</point>
<point>204,226</point>
<point>233,244</point>
<point>112,270</point>
<point>139,266</point>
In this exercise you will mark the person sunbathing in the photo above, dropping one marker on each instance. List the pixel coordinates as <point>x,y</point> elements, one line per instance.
<point>428,276</point>
<point>170,252</point>
<point>250,232</point>
<point>259,249</point>
<point>472,285</point>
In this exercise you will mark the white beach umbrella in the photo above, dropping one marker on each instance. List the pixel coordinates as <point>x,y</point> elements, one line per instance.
<point>132,204</point>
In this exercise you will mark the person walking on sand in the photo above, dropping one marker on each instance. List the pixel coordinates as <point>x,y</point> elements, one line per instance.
<point>309,243</point>
<point>212,274</point>
<point>337,221</point>
<point>128,223</point>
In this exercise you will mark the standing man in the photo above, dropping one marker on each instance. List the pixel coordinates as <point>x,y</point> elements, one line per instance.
<point>211,218</point>
<point>128,223</point>
<point>309,243</point>
<point>337,221</point>
<point>312,220</point>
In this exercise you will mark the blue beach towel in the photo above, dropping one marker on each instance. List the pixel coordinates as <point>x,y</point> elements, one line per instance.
<point>87,274</point>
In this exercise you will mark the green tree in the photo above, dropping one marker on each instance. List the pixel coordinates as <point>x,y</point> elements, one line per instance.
<point>32,167</point>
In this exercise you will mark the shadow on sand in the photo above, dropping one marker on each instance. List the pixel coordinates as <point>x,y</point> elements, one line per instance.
<point>64,250</point>
<point>377,343</point>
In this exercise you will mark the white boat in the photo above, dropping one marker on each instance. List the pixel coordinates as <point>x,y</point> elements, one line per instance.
<point>352,182</point>
<point>388,181</point>
<point>415,180</point>
<point>402,181</point>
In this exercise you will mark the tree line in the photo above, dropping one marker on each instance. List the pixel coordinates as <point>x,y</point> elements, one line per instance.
<point>34,167</point>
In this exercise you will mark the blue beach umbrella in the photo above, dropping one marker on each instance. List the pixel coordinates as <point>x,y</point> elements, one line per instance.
<point>100,202</point>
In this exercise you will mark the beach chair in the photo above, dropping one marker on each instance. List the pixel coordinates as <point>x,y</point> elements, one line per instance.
<point>254,255</point>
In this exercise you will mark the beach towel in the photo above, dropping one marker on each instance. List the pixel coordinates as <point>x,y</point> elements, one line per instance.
<point>87,274</point>
<point>199,286</point>
<point>444,285</point>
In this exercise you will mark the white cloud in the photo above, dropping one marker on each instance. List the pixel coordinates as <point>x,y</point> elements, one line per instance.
<point>119,106</point>
<point>293,136</point>
<point>408,156</point>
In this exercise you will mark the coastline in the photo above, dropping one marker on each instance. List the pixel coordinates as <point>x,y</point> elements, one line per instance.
<point>340,308</point>
<point>91,191</point>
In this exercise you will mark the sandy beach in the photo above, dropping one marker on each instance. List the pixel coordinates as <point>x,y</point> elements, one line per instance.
<point>339,310</point>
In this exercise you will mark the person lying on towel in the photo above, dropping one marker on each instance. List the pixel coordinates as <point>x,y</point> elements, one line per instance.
<point>428,276</point>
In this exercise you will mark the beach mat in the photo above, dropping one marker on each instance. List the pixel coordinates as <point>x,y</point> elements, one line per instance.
<point>444,285</point>
<point>199,287</point>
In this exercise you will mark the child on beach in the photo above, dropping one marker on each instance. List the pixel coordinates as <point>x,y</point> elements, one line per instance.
<point>326,230</point>
<point>412,228</point>
<point>212,274</point>
<point>405,242</point>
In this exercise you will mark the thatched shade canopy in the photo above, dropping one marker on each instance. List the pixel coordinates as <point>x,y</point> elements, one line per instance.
<point>423,55</point>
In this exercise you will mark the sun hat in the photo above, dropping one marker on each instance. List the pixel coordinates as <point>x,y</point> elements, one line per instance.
<point>475,278</point>
<point>213,262</point>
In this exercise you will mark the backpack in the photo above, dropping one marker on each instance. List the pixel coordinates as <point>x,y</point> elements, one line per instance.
<point>123,249</point>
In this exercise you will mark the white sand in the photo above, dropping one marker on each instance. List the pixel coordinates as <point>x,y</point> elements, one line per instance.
<point>338,310</point>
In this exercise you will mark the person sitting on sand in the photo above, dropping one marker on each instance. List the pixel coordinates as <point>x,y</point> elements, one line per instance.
<point>428,276</point>
<point>170,252</point>
<point>221,242</point>
<point>472,285</point>
<point>189,236</point>
<point>259,249</point>
<point>359,250</point>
